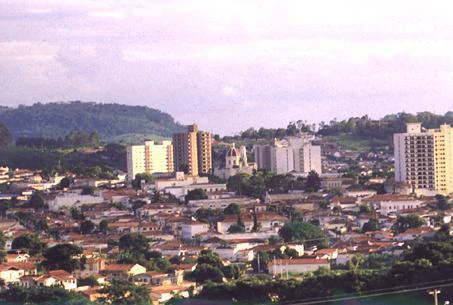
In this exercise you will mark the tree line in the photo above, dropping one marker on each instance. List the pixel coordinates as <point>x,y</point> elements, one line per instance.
<point>72,140</point>
<point>360,127</point>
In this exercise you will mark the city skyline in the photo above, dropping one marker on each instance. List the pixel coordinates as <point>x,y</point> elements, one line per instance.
<point>255,64</point>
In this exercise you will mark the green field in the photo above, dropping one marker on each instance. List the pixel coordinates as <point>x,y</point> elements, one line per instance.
<point>349,142</point>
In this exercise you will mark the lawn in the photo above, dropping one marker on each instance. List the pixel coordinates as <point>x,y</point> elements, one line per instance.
<point>349,142</point>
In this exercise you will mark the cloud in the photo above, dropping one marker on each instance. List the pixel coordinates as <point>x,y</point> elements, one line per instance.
<point>108,14</point>
<point>230,91</point>
<point>231,64</point>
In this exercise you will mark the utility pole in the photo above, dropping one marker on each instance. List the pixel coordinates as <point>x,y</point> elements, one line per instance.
<point>258,260</point>
<point>435,292</point>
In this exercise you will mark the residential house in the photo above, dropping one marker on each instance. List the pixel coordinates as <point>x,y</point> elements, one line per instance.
<point>152,278</point>
<point>12,272</point>
<point>122,271</point>
<point>191,228</point>
<point>57,278</point>
<point>296,265</point>
<point>268,221</point>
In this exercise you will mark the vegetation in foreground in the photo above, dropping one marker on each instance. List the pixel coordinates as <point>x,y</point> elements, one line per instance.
<point>427,262</point>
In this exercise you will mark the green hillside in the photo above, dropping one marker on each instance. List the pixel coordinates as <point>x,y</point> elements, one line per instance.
<point>111,121</point>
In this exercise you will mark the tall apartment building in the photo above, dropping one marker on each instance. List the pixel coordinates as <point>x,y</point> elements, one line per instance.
<point>149,158</point>
<point>307,157</point>
<point>293,154</point>
<point>192,151</point>
<point>204,152</point>
<point>424,158</point>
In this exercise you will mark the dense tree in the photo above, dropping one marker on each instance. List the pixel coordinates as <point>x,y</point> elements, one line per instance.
<point>72,140</point>
<point>238,227</point>
<point>137,204</point>
<point>313,183</point>
<point>205,272</point>
<point>88,190</point>
<point>161,264</point>
<point>371,225</point>
<point>76,214</point>
<point>208,215</point>
<point>2,247</point>
<point>5,135</point>
<point>36,294</point>
<point>124,292</point>
<point>175,260</point>
<point>406,222</point>
<point>62,256</point>
<point>134,242</point>
<point>53,120</point>
<point>87,227</point>
<point>356,262</point>
<point>153,254</point>
<point>232,209</point>
<point>88,281</point>
<point>37,200</point>
<point>29,242</point>
<point>442,202</point>
<point>210,258</point>
<point>140,178</point>
<point>196,194</point>
<point>260,260</point>
<point>64,183</point>
<point>302,231</point>
<point>104,226</point>
<point>443,234</point>
<point>232,271</point>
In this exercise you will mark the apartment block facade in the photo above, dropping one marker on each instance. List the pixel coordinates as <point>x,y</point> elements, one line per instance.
<point>149,158</point>
<point>192,151</point>
<point>424,158</point>
<point>292,154</point>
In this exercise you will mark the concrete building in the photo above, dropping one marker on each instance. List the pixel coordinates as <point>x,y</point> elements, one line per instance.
<point>73,199</point>
<point>204,152</point>
<point>191,228</point>
<point>298,265</point>
<point>149,158</point>
<point>288,155</point>
<point>424,158</point>
<point>192,151</point>
<point>394,204</point>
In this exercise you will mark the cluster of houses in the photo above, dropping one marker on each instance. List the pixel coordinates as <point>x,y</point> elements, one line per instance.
<point>174,228</point>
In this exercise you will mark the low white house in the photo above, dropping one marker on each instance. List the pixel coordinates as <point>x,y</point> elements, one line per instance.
<point>219,203</point>
<point>12,272</point>
<point>181,191</point>
<point>297,265</point>
<point>73,199</point>
<point>268,221</point>
<point>58,278</point>
<point>192,228</point>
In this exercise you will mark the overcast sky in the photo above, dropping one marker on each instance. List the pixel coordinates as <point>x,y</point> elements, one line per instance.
<point>229,65</point>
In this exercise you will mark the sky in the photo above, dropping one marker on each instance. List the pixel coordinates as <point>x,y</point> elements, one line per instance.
<point>229,65</point>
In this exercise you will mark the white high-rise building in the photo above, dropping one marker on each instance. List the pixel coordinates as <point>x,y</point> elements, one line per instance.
<point>149,158</point>
<point>282,158</point>
<point>424,158</point>
<point>296,154</point>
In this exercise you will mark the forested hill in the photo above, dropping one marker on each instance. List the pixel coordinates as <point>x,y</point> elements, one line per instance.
<point>53,120</point>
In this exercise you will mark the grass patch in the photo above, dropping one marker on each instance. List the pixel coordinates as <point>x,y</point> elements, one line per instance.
<point>350,142</point>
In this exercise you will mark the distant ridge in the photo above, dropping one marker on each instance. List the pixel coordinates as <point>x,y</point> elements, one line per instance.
<point>111,121</point>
